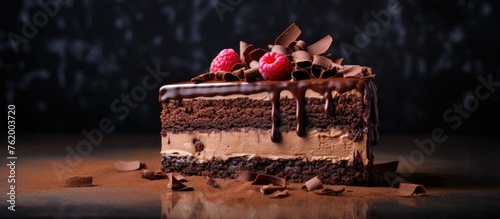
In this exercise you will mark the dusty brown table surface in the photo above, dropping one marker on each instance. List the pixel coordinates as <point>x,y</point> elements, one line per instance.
<point>468,165</point>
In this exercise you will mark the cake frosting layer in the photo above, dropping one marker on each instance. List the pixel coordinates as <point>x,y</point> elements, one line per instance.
<point>333,145</point>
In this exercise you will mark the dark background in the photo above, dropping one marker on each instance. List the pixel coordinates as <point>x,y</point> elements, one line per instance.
<point>64,78</point>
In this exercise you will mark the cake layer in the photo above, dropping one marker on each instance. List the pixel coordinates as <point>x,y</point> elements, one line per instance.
<point>297,170</point>
<point>340,107</point>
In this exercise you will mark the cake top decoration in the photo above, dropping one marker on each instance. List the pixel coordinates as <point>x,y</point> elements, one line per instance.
<point>287,59</point>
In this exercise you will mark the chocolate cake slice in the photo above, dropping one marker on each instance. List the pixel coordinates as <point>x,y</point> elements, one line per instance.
<point>321,122</point>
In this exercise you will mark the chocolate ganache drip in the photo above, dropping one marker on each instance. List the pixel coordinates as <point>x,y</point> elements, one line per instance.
<point>311,66</point>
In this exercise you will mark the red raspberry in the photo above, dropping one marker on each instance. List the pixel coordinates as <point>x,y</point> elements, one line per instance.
<point>225,60</point>
<point>275,66</point>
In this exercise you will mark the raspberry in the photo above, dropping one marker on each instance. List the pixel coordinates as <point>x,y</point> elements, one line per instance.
<point>275,66</point>
<point>225,60</point>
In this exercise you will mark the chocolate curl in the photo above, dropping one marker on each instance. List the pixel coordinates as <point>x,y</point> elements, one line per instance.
<point>238,66</point>
<point>410,189</point>
<point>322,61</point>
<point>329,73</point>
<point>263,179</point>
<point>281,49</point>
<point>129,165</point>
<point>317,71</point>
<point>228,76</point>
<point>246,176</point>
<point>246,53</point>
<point>321,46</point>
<point>299,45</point>
<point>302,59</point>
<point>312,184</point>
<point>301,74</point>
<point>243,46</point>
<point>256,54</point>
<point>239,73</point>
<point>203,77</point>
<point>251,74</point>
<point>176,185</point>
<point>210,180</point>
<point>288,36</point>
<point>220,74</point>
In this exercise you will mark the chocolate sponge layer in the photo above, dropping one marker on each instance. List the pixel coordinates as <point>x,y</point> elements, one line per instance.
<point>342,172</point>
<point>204,115</point>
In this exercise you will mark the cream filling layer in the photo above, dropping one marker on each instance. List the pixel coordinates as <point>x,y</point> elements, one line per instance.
<point>333,145</point>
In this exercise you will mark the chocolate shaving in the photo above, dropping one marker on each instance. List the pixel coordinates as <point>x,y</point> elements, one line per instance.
<point>281,49</point>
<point>129,165</point>
<point>312,184</point>
<point>263,179</point>
<point>78,181</point>
<point>256,54</point>
<point>288,36</point>
<point>176,185</point>
<point>269,189</point>
<point>321,46</point>
<point>328,191</point>
<point>279,194</point>
<point>153,175</point>
<point>309,61</point>
<point>210,180</point>
<point>410,189</point>
<point>338,61</point>
<point>246,176</point>
<point>326,63</point>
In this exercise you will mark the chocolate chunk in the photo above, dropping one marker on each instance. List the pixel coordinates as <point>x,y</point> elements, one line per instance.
<point>153,175</point>
<point>78,181</point>
<point>281,49</point>
<point>279,194</point>
<point>210,180</point>
<point>300,45</point>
